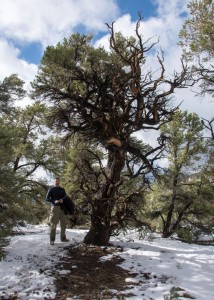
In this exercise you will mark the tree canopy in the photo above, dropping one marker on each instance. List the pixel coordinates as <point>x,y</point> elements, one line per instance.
<point>197,40</point>
<point>24,149</point>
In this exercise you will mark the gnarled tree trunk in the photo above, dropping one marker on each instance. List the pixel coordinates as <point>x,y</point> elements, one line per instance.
<point>100,231</point>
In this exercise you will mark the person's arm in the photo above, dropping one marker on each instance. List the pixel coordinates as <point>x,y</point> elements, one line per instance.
<point>49,196</point>
<point>63,196</point>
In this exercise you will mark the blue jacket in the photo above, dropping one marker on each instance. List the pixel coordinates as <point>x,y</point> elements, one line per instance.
<point>55,193</point>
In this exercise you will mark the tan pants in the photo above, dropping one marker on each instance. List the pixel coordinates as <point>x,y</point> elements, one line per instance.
<point>57,215</point>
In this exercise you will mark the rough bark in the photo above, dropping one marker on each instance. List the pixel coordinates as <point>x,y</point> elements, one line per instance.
<point>100,231</point>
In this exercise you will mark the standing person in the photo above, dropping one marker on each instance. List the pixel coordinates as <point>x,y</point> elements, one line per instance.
<point>55,196</point>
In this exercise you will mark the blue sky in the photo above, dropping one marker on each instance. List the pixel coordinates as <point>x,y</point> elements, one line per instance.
<point>32,51</point>
<point>28,26</point>
<point>147,7</point>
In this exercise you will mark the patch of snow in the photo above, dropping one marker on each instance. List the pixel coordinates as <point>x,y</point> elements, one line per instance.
<point>156,265</point>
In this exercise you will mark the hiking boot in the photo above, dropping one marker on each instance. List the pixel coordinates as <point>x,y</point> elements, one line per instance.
<point>51,242</point>
<point>65,240</point>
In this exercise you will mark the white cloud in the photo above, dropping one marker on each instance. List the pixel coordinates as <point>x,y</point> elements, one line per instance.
<point>201,105</point>
<point>45,22</point>
<point>171,7</point>
<point>11,63</point>
<point>50,20</point>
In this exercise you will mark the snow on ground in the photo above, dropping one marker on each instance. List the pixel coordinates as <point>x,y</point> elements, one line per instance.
<point>160,265</point>
<point>169,264</point>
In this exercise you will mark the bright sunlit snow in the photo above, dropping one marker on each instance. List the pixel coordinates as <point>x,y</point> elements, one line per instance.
<point>27,269</point>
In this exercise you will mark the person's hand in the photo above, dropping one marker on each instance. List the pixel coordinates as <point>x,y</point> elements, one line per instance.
<point>58,201</point>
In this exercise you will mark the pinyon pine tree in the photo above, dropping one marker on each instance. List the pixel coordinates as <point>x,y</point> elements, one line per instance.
<point>107,97</point>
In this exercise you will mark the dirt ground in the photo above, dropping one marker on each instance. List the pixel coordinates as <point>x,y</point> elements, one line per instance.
<point>90,278</point>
